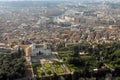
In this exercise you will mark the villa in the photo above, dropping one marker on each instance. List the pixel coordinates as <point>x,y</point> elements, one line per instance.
<point>36,49</point>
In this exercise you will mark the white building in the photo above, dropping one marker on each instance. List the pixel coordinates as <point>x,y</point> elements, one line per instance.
<point>38,49</point>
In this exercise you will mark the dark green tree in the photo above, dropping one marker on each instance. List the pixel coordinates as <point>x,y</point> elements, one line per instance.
<point>76,51</point>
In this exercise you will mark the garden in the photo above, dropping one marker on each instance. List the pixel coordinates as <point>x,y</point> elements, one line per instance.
<point>48,69</point>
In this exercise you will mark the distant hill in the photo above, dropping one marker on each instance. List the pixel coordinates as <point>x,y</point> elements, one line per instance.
<point>47,3</point>
<point>29,3</point>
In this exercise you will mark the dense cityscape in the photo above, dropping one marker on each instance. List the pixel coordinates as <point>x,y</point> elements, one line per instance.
<point>60,40</point>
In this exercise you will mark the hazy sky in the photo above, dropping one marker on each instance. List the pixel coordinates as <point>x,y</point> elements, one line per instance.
<point>22,0</point>
<point>56,0</point>
<point>27,0</point>
<point>18,0</point>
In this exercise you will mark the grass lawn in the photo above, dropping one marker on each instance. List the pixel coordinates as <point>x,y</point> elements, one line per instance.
<point>85,57</point>
<point>34,65</point>
<point>56,65</point>
<point>65,53</point>
<point>117,78</point>
<point>110,65</point>
<point>59,70</point>
<point>74,68</point>
<point>39,71</point>
<point>49,70</point>
<point>47,65</point>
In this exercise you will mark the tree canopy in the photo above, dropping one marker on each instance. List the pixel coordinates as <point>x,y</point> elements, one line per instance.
<point>11,66</point>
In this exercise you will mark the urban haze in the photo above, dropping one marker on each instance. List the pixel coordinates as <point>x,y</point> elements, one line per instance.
<point>59,39</point>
